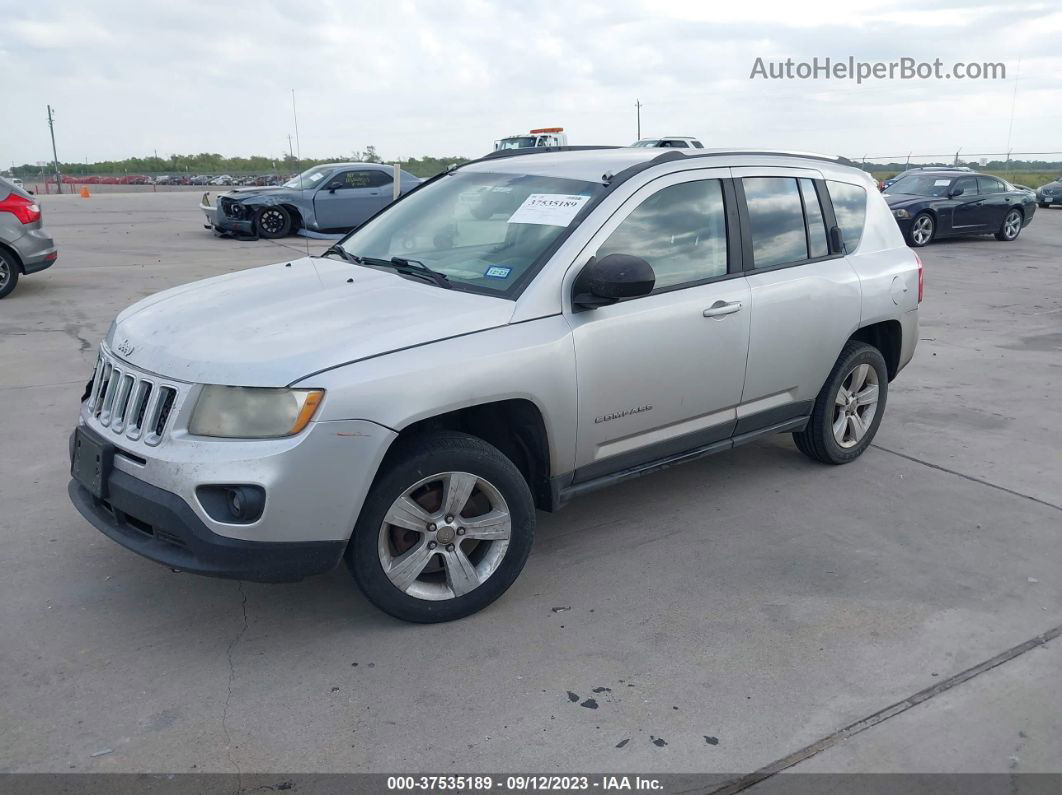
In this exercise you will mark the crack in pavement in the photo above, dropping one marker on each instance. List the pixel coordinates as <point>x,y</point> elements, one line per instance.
<point>971,478</point>
<point>228,694</point>
<point>861,725</point>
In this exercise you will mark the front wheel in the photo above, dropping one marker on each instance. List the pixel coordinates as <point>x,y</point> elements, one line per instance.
<point>849,407</point>
<point>445,530</point>
<point>272,222</point>
<point>923,227</point>
<point>1011,226</point>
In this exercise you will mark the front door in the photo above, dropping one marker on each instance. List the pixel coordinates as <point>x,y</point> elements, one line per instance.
<point>662,374</point>
<point>968,214</point>
<point>349,198</point>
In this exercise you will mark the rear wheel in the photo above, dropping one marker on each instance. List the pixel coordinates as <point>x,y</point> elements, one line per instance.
<point>923,227</point>
<point>1044,205</point>
<point>272,222</point>
<point>445,529</point>
<point>1011,227</point>
<point>8,273</point>
<point>849,407</point>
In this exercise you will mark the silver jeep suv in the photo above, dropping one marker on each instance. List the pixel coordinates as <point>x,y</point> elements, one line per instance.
<point>509,335</point>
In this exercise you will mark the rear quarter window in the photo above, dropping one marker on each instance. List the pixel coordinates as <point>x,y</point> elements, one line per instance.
<point>850,208</point>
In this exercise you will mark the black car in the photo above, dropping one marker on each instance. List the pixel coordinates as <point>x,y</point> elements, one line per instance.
<point>1049,194</point>
<point>947,203</point>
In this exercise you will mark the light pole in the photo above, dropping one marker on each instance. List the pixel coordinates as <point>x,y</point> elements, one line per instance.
<point>638,111</point>
<point>55,157</point>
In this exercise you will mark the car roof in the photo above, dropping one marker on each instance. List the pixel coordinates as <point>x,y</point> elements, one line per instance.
<point>591,163</point>
<point>360,165</point>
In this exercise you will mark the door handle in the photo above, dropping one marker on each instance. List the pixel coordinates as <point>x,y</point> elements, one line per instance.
<point>720,308</point>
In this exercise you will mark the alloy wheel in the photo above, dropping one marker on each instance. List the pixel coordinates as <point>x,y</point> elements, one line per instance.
<point>922,230</point>
<point>855,405</point>
<point>444,536</point>
<point>272,221</point>
<point>5,273</point>
<point>1012,225</point>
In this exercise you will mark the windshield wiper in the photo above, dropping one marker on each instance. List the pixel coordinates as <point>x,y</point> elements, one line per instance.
<point>343,253</point>
<point>417,268</point>
<point>407,267</point>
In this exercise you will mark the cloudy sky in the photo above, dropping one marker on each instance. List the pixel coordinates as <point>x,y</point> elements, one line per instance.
<point>416,77</point>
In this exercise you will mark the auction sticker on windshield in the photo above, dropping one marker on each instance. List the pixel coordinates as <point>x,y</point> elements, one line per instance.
<point>549,209</point>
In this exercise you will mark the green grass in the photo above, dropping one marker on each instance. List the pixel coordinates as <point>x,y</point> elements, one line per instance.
<point>1031,179</point>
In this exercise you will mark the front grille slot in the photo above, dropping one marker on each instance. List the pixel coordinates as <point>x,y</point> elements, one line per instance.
<point>166,398</point>
<point>121,402</point>
<point>139,408</point>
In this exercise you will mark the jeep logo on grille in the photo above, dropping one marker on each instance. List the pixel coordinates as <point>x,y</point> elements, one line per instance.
<point>125,347</point>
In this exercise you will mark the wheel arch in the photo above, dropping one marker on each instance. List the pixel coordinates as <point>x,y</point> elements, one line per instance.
<point>514,425</point>
<point>14,255</point>
<point>887,337</point>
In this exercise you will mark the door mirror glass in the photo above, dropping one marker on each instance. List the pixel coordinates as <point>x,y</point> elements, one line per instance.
<point>613,278</point>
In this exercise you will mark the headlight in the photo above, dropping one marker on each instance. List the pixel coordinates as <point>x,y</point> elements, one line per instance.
<point>901,213</point>
<point>238,412</point>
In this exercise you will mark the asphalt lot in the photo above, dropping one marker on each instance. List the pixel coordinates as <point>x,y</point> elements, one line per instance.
<point>721,615</point>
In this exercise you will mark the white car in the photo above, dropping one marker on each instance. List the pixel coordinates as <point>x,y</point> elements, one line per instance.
<point>224,179</point>
<point>670,142</point>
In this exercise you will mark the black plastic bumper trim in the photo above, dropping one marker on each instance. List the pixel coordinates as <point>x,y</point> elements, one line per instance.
<point>162,527</point>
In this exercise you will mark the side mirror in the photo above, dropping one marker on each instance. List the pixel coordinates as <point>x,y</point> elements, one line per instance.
<point>612,278</point>
<point>956,191</point>
<point>836,240</point>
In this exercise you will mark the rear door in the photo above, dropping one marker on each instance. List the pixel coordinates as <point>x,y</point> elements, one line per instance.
<point>662,374</point>
<point>805,297</point>
<point>995,201</point>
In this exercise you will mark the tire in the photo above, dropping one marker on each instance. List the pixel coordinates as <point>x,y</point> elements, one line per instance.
<point>922,230</point>
<point>272,222</point>
<point>436,583</point>
<point>1045,205</point>
<point>819,439</point>
<point>1011,226</point>
<point>8,273</point>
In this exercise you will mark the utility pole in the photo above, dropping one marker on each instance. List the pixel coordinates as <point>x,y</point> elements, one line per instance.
<point>295,115</point>
<point>55,157</point>
<point>638,110</point>
<point>290,150</point>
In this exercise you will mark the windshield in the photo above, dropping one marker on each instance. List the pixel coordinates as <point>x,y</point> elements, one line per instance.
<point>485,232</point>
<point>922,185</point>
<point>647,142</point>
<point>523,142</point>
<point>309,178</point>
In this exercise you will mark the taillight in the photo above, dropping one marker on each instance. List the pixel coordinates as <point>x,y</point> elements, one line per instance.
<point>25,210</point>
<point>921,277</point>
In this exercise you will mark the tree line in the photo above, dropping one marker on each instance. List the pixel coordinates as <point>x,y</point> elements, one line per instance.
<point>213,163</point>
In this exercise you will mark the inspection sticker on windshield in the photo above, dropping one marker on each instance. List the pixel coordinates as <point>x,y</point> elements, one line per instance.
<point>549,209</point>
<point>941,181</point>
<point>497,272</point>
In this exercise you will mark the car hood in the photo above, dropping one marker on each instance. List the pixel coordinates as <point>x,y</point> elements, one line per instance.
<point>272,326</point>
<point>895,200</point>
<point>270,190</point>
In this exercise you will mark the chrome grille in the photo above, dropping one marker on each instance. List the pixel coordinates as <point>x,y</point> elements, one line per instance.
<point>130,402</point>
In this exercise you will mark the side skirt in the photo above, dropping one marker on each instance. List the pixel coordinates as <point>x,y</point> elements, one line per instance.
<point>564,489</point>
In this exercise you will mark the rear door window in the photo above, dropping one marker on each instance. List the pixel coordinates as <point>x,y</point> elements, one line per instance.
<point>850,209</point>
<point>990,185</point>
<point>817,245</point>
<point>776,220</point>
